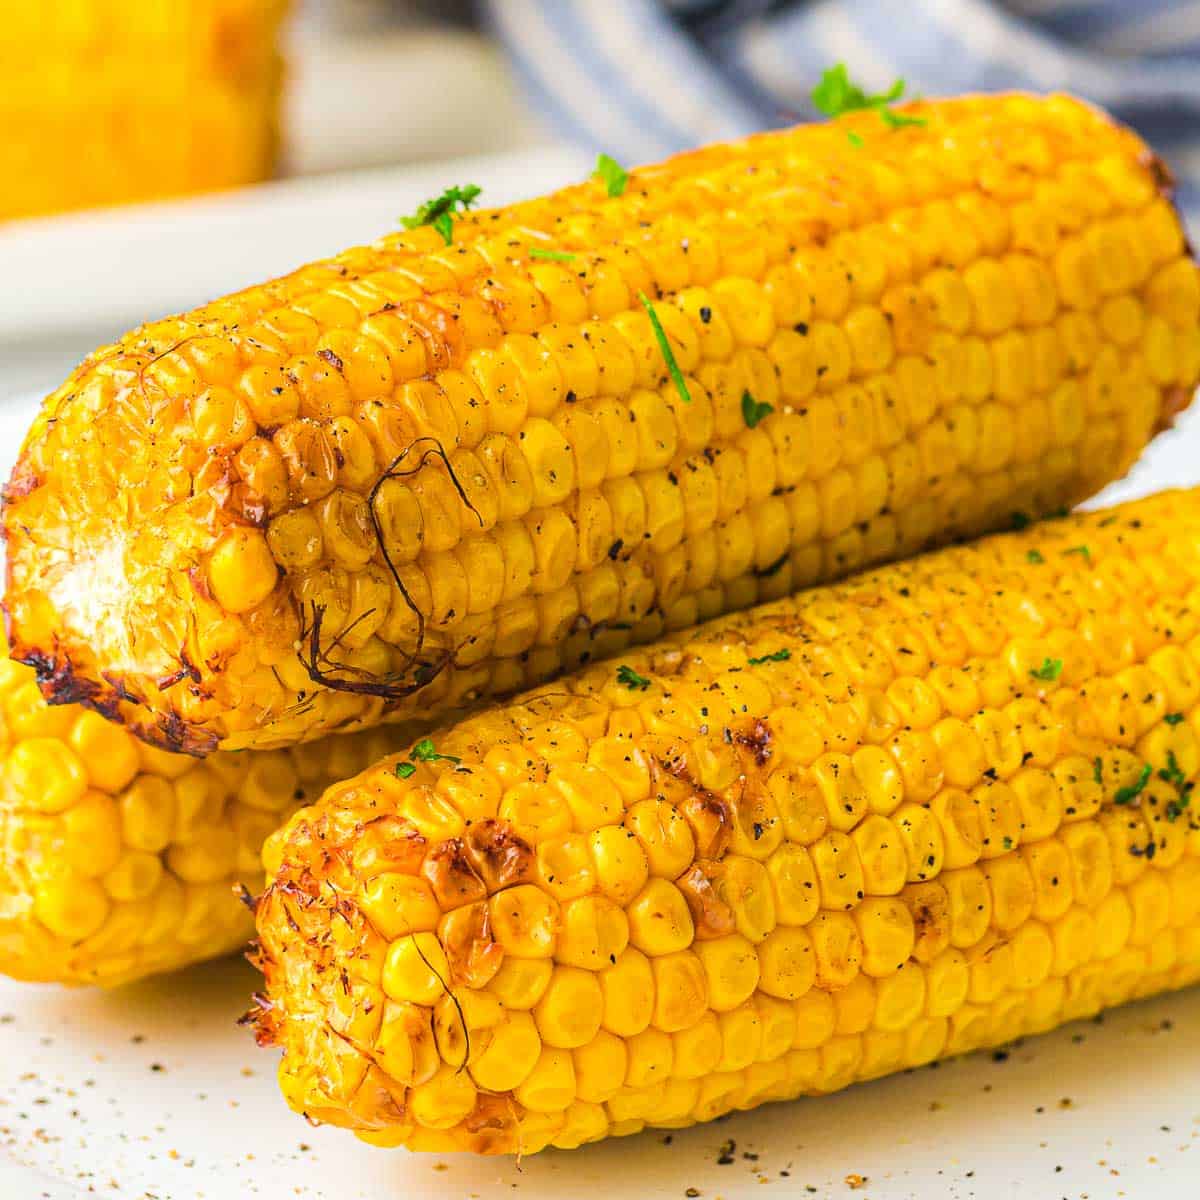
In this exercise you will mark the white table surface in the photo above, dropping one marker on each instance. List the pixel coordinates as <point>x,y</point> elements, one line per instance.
<point>152,1093</point>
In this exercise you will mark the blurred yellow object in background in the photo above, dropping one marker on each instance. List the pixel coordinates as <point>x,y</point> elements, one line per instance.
<point>111,101</point>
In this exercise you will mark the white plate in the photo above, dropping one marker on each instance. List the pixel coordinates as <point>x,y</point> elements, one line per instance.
<point>152,1092</point>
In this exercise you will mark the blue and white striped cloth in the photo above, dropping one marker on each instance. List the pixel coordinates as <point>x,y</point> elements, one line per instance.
<point>643,78</point>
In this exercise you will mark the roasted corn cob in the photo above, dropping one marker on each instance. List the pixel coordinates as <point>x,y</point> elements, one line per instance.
<point>937,807</point>
<point>107,101</point>
<point>421,472</point>
<point>118,859</point>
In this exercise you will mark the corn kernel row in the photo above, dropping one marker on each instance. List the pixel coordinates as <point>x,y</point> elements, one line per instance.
<point>934,808</point>
<point>462,461</point>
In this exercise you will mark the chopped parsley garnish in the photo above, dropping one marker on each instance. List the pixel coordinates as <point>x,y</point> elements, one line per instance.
<point>1049,671</point>
<point>855,139</point>
<point>1098,770</point>
<point>837,94</point>
<point>660,335</point>
<point>753,411</point>
<point>1173,718</point>
<point>1080,550</point>
<point>551,255</point>
<point>1172,773</point>
<point>1176,808</point>
<point>1008,843</point>
<point>778,656</point>
<point>439,212</point>
<point>1034,556</point>
<point>628,677</point>
<point>611,174</point>
<point>1127,795</point>
<point>1021,521</point>
<point>423,751</point>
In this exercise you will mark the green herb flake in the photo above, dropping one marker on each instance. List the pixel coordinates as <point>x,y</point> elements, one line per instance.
<point>440,211</point>
<point>424,751</point>
<point>1049,671</point>
<point>611,174</point>
<point>1034,556</point>
<point>1083,551</point>
<point>1172,773</point>
<point>660,335</point>
<point>855,139</point>
<point>778,656</point>
<point>837,94</point>
<point>1173,718</point>
<point>1020,520</point>
<point>1127,795</point>
<point>753,411</point>
<point>1008,843</point>
<point>1097,770</point>
<point>1176,808</point>
<point>628,677</point>
<point>551,255</point>
<point>404,770</point>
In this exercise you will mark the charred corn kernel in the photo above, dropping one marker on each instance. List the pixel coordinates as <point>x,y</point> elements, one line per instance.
<point>117,860</point>
<point>1048,869</point>
<point>137,141</point>
<point>431,475</point>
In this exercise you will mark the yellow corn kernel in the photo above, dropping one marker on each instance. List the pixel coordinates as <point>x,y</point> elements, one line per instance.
<point>107,752</point>
<point>788,962</point>
<point>45,776</point>
<point>550,1086</point>
<point>72,908</point>
<point>520,982</point>
<point>731,967</point>
<point>569,1011</point>
<point>525,921</point>
<point>680,990</point>
<point>621,865</point>
<point>415,969</point>
<point>659,919</point>
<point>241,571</point>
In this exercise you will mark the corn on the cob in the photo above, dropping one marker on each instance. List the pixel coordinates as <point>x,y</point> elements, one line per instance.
<point>117,859</point>
<point>419,473</point>
<point>108,101</point>
<point>939,806</point>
